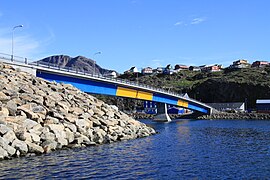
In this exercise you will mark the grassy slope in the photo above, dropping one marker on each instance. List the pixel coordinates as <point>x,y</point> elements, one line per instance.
<point>226,86</point>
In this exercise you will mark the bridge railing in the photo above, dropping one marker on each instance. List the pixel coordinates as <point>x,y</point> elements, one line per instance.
<point>79,71</point>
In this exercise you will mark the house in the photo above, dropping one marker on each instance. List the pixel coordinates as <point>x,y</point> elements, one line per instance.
<point>194,68</point>
<point>239,64</point>
<point>132,70</point>
<point>212,68</point>
<point>158,70</point>
<point>179,67</point>
<point>168,70</point>
<point>112,74</point>
<point>150,107</point>
<point>147,71</point>
<point>263,105</point>
<point>236,106</point>
<point>259,64</point>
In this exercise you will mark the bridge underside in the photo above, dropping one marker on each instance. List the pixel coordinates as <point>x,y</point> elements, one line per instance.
<point>98,87</point>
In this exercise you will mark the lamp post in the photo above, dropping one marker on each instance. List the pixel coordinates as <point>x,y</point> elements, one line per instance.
<point>95,61</point>
<point>12,56</point>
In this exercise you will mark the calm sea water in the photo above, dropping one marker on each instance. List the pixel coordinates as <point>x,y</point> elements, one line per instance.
<point>183,149</point>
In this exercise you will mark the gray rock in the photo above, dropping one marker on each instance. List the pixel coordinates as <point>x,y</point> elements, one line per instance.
<point>83,124</point>
<point>26,89</point>
<point>33,148</point>
<point>56,115</point>
<point>64,106</point>
<point>4,129</point>
<point>39,109</point>
<point>12,107</point>
<point>20,145</point>
<point>56,128</point>
<point>4,112</point>
<point>81,139</point>
<point>61,142</point>
<point>51,120</point>
<point>3,143</point>
<point>10,137</point>
<point>4,97</point>
<point>71,126</point>
<point>69,135</point>
<point>24,136</point>
<point>71,118</point>
<point>47,136</point>
<point>98,112</point>
<point>3,153</point>
<point>27,109</point>
<point>35,138</point>
<point>76,111</point>
<point>108,122</point>
<point>29,124</point>
<point>49,146</point>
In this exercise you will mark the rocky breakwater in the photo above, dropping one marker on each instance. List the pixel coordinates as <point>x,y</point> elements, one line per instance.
<point>246,116</point>
<point>38,116</point>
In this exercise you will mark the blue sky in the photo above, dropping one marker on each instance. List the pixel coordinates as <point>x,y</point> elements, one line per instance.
<point>138,32</point>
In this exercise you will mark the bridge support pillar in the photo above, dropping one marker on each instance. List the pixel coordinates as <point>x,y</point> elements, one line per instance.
<point>162,115</point>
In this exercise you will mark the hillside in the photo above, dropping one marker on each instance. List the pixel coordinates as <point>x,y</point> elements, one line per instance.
<point>225,86</point>
<point>79,62</point>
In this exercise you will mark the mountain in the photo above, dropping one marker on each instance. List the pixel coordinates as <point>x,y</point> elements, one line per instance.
<point>80,63</point>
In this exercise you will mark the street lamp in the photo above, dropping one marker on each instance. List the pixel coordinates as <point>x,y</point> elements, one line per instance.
<point>95,61</point>
<point>12,56</point>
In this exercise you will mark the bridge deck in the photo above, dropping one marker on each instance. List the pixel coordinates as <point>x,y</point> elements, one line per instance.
<point>94,83</point>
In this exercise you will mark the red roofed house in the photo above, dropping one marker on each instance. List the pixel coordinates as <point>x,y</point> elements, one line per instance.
<point>260,64</point>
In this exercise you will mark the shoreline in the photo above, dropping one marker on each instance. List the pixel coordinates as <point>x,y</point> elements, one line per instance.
<point>217,116</point>
<point>39,116</point>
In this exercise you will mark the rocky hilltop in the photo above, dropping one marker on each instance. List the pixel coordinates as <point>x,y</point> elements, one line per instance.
<point>38,116</point>
<point>241,85</point>
<point>81,63</point>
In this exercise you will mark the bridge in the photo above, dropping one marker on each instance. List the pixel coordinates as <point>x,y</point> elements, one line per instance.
<point>96,84</point>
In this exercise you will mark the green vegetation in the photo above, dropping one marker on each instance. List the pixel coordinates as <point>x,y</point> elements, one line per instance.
<point>225,86</point>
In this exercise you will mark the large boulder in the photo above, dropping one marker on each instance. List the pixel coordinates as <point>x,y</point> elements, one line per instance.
<point>20,145</point>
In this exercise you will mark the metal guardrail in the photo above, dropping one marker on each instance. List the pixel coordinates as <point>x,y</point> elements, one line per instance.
<point>26,61</point>
<point>79,72</point>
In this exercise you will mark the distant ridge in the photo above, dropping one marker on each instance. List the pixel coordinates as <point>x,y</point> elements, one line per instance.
<point>79,62</point>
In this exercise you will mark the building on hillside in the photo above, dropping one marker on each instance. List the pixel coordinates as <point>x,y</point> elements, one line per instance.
<point>158,70</point>
<point>132,70</point>
<point>150,107</point>
<point>260,64</point>
<point>195,68</point>
<point>168,70</point>
<point>239,64</point>
<point>263,105</point>
<point>236,106</point>
<point>112,74</point>
<point>147,71</point>
<point>212,68</point>
<point>179,67</point>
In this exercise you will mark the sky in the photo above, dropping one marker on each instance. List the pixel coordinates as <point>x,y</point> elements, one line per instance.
<point>138,33</point>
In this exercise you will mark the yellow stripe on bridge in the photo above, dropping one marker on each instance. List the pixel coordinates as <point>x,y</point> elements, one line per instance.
<point>131,93</point>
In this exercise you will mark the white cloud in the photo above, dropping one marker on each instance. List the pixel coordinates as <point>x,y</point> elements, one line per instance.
<point>197,20</point>
<point>24,45</point>
<point>179,23</point>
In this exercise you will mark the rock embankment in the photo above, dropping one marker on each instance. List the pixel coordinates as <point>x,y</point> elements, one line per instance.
<point>255,116</point>
<point>38,116</point>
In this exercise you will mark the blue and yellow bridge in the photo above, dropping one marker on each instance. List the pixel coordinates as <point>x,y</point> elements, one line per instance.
<point>91,83</point>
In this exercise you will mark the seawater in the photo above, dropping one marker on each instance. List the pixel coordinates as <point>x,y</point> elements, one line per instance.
<point>183,149</point>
